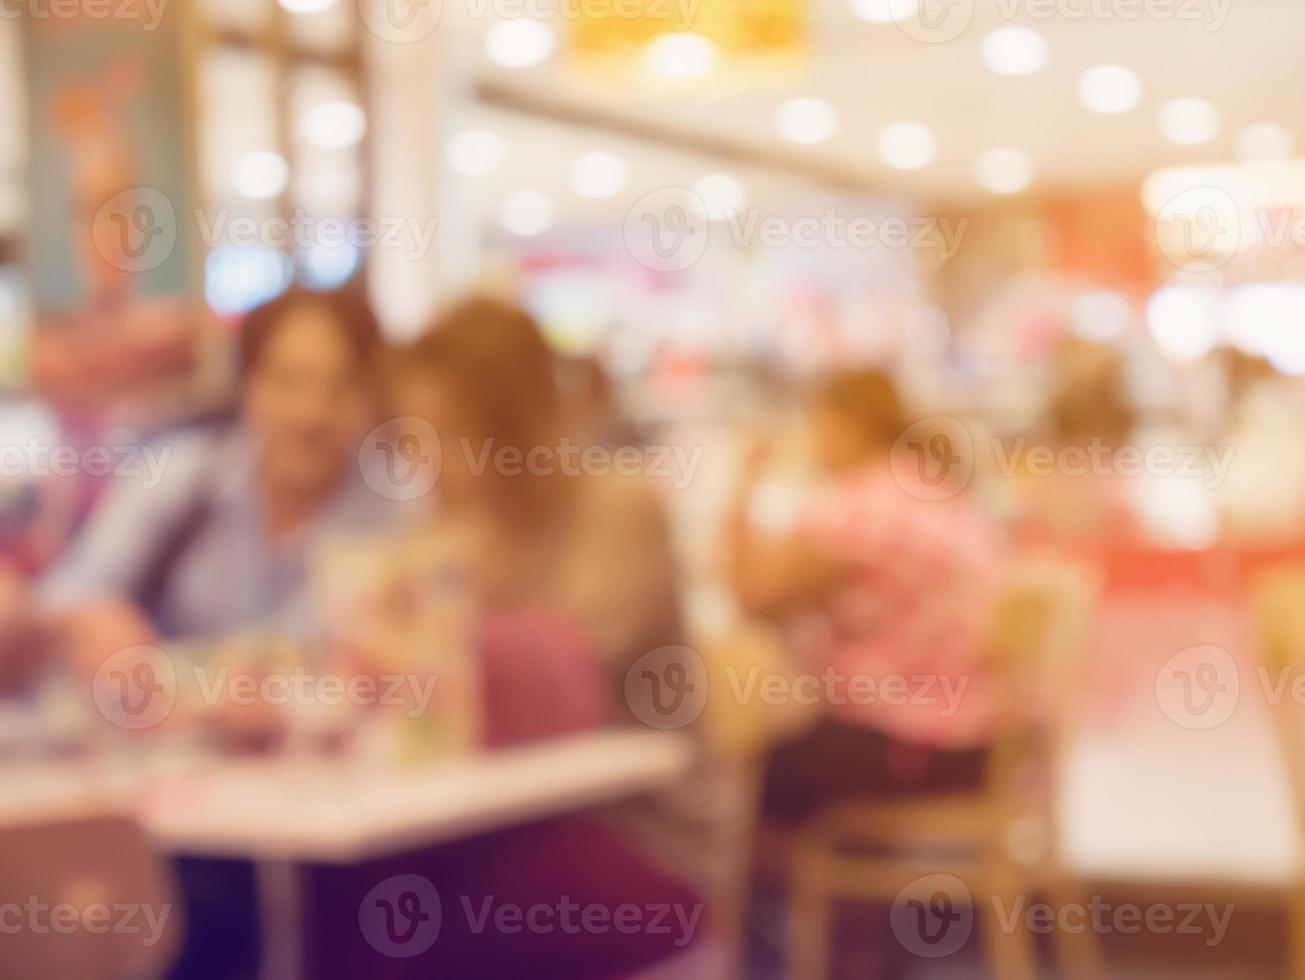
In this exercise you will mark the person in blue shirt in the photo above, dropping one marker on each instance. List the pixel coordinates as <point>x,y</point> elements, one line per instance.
<point>223,539</point>
<point>220,539</point>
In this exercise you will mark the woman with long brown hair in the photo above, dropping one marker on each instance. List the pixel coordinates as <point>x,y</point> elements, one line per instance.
<point>548,523</point>
<point>569,568</point>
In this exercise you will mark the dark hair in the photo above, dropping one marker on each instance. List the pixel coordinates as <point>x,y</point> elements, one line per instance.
<point>500,367</point>
<point>869,400</point>
<point>347,309</point>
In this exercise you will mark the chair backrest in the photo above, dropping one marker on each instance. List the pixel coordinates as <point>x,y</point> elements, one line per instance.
<point>1036,644</point>
<point>85,898</point>
<point>1279,598</point>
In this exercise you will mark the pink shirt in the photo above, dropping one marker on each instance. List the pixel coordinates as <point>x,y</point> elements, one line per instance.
<point>901,645</point>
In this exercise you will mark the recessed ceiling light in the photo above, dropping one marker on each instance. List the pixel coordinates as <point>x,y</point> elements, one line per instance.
<point>680,56</point>
<point>1264,319</point>
<point>1013,51</point>
<point>334,125</point>
<point>1004,170</point>
<point>475,152</point>
<point>907,146</point>
<point>720,194</point>
<point>1265,142</point>
<point>885,11</point>
<point>519,43</point>
<point>1182,321</point>
<point>1188,122</point>
<point>527,213</point>
<point>260,175</point>
<point>806,120</point>
<point>307,6</point>
<point>598,174</point>
<point>1109,89</point>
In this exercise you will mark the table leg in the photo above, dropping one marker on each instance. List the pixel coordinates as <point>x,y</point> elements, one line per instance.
<point>280,896</point>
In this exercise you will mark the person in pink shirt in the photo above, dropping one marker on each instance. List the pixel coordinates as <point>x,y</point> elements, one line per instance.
<point>884,591</point>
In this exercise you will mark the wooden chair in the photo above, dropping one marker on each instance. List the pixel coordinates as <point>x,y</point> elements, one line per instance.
<point>1280,606</point>
<point>73,863</point>
<point>717,811</point>
<point>1001,842</point>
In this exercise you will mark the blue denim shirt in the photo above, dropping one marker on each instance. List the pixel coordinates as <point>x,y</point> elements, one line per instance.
<point>228,575</point>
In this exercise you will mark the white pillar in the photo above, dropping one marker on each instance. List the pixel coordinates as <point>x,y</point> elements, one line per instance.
<point>416,81</point>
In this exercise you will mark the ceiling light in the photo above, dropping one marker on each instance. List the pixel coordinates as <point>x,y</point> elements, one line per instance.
<point>519,43</point>
<point>1265,142</point>
<point>1004,170</point>
<point>1109,89</point>
<point>334,125</point>
<point>1182,321</point>
<point>721,195</point>
<point>907,146</point>
<point>1014,51</point>
<point>307,6</point>
<point>475,153</point>
<point>527,213</point>
<point>260,175</point>
<point>806,120</point>
<point>598,174</point>
<point>885,11</point>
<point>1265,318</point>
<point>680,56</point>
<point>1188,122</point>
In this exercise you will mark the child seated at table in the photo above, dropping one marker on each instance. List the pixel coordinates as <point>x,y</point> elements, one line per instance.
<point>884,592</point>
<point>874,581</point>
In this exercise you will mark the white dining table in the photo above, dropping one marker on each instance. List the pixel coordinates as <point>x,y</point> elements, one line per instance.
<point>283,813</point>
<point>1140,805</point>
<point>1160,805</point>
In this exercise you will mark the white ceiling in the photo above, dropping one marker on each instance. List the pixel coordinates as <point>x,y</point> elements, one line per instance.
<point>1250,67</point>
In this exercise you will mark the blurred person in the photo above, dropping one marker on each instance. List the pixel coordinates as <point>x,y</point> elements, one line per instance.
<point>222,541</point>
<point>590,404</point>
<point>1089,417</point>
<point>546,526</point>
<point>874,579</point>
<point>871,581</point>
<point>572,578</point>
